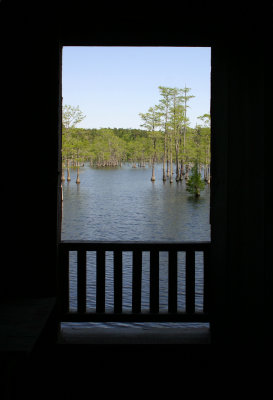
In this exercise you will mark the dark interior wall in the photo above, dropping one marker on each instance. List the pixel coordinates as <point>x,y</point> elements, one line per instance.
<point>29,88</point>
<point>240,283</point>
<point>30,37</point>
<point>246,215</point>
<point>241,276</point>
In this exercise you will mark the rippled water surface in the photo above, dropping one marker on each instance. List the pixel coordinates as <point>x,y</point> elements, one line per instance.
<point>123,204</point>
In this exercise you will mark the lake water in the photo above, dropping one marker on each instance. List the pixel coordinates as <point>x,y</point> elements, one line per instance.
<point>123,204</point>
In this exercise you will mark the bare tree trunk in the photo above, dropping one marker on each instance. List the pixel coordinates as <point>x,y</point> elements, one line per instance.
<point>187,172</point>
<point>63,177</point>
<point>68,172</point>
<point>181,170</point>
<point>171,163</point>
<point>153,172</point>
<point>153,163</point>
<point>78,168</point>
<point>168,161</point>
<point>164,160</point>
<point>176,160</point>
<point>78,174</point>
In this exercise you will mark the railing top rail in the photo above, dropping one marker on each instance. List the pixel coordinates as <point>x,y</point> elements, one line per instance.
<point>93,245</point>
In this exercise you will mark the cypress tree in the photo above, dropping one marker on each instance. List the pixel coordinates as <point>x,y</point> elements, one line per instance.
<point>195,182</point>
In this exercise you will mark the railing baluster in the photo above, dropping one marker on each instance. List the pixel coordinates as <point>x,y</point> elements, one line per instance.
<point>154,281</point>
<point>206,280</point>
<point>137,249</point>
<point>81,281</point>
<point>64,281</point>
<point>190,281</point>
<point>100,289</point>
<point>172,282</point>
<point>117,281</point>
<point>137,276</point>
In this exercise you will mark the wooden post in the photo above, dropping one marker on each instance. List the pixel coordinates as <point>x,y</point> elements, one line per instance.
<point>117,281</point>
<point>172,282</point>
<point>81,281</point>
<point>137,275</point>
<point>190,281</point>
<point>154,281</point>
<point>64,281</point>
<point>100,291</point>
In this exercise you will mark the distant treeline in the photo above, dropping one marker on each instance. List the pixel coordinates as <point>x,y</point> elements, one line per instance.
<point>166,138</point>
<point>108,147</point>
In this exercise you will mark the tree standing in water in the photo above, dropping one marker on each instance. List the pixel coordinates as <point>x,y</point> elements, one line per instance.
<point>195,183</point>
<point>151,123</point>
<point>164,109</point>
<point>176,118</point>
<point>185,98</point>
<point>71,116</point>
<point>205,128</point>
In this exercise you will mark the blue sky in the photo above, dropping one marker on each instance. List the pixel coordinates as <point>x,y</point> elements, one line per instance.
<point>112,85</point>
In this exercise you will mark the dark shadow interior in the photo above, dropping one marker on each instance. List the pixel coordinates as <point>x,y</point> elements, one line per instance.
<point>241,267</point>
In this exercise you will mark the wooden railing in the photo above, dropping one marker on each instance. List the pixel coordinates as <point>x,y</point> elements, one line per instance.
<point>136,314</point>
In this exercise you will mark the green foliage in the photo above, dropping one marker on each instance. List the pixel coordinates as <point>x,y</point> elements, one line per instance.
<point>151,122</point>
<point>71,117</point>
<point>165,132</point>
<point>106,148</point>
<point>74,144</point>
<point>195,183</point>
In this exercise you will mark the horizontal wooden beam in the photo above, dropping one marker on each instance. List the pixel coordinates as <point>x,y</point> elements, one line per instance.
<point>88,245</point>
<point>134,317</point>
